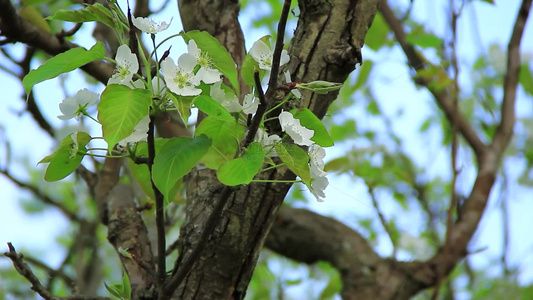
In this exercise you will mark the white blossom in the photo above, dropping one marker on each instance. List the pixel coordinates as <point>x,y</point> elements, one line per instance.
<point>149,25</point>
<point>318,187</point>
<point>316,162</point>
<point>140,133</point>
<point>74,107</point>
<point>250,104</point>
<point>263,55</point>
<point>180,79</point>
<point>226,99</point>
<point>127,66</point>
<point>301,135</point>
<point>267,141</point>
<point>207,73</point>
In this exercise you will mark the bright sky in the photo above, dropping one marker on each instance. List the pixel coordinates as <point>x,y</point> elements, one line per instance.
<point>346,197</point>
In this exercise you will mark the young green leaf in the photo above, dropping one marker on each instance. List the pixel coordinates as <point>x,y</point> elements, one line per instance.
<point>63,63</point>
<point>320,86</point>
<point>309,120</point>
<point>67,158</point>
<point>90,13</point>
<point>295,159</point>
<point>120,109</point>
<point>220,57</point>
<point>175,159</point>
<point>225,136</point>
<point>243,169</point>
<point>183,104</point>
<point>212,108</point>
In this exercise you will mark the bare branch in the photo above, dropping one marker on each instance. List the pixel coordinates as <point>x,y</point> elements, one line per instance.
<point>504,131</point>
<point>24,270</point>
<point>41,196</point>
<point>419,63</point>
<point>53,272</point>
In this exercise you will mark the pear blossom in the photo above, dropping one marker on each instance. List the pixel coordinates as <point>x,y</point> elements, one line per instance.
<point>74,107</point>
<point>149,25</point>
<point>127,66</point>
<point>250,104</point>
<point>267,141</point>
<point>140,133</point>
<point>228,100</point>
<point>181,79</point>
<point>263,55</point>
<point>294,91</point>
<point>318,187</point>
<point>301,135</point>
<point>316,162</point>
<point>207,73</point>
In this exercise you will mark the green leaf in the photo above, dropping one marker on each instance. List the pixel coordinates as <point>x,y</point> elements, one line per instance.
<point>377,35</point>
<point>225,136</point>
<point>140,171</point>
<point>526,79</point>
<point>212,108</point>
<point>183,103</point>
<point>31,14</point>
<point>63,63</point>
<point>120,110</point>
<point>243,169</point>
<point>249,65</point>
<point>295,159</point>
<point>309,120</point>
<point>175,159</point>
<point>67,158</point>
<point>114,290</point>
<point>126,286</point>
<point>220,57</point>
<point>91,13</point>
<point>423,39</point>
<point>364,72</point>
<point>341,132</point>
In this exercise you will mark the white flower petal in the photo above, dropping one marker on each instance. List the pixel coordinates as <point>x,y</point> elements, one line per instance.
<point>209,75</point>
<point>140,133</point>
<point>149,25</point>
<point>318,187</point>
<point>250,104</point>
<point>127,66</point>
<point>180,80</point>
<point>301,135</point>
<point>316,162</point>
<point>73,107</point>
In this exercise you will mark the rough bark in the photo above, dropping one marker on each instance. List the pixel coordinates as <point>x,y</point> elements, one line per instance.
<point>227,262</point>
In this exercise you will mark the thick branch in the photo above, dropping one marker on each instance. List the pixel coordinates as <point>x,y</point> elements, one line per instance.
<point>17,29</point>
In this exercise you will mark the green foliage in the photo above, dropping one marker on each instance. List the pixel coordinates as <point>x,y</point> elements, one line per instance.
<point>225,136</point>
<point>67,158</point>
<point>120,110</point>
<point>243,169</point>
<point>295,159</point>
<point>175,159</point>
<point>140,171</point>
<point>63,63</point>
<point>309,120</point>
<point>120,291</point>
<point>377,35</point>
<point>212,108</point>
<point>90,13</point>
<point>220,57</point>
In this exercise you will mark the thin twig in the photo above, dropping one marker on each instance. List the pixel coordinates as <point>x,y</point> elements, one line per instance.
<point>159,208</point>
<point>53,272</point>
<point>261,110</point>
<point>276,57</point>
<point>382,219</point>
<point>42,196</point>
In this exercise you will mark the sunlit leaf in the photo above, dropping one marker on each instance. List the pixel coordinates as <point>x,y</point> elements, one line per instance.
<point>175,159</point>
<point>295,159</point>
<point>67,158</point>
<point>212,108</point>
<point>63,63</point>
<point>309,120</point>
<point>243,169</point>
<point>120,110</point>
<point>90,13</point>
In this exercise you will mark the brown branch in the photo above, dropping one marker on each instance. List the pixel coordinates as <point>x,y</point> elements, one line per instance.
<point>419,63</point>
<point>42,196</point>
<point>17,29</point>
<point>504,132</point>
<point>24,270</point>
<point>382,219</point>
<point>53,272</point>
